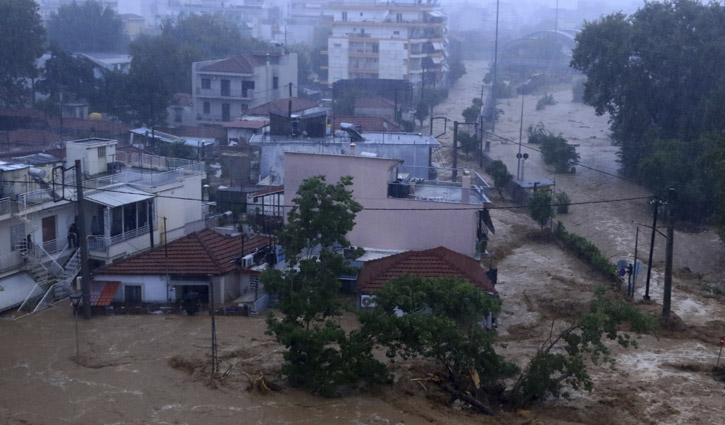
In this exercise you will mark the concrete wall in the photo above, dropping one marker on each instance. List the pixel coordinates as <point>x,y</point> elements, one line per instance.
<point>387,223</point>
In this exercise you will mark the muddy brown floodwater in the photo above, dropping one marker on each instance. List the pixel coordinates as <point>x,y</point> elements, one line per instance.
<point>154,369</point>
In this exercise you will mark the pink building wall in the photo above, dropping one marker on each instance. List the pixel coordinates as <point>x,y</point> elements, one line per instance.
<point>386,223</point>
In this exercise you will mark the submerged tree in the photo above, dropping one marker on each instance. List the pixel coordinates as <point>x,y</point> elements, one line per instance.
<point>320,355</point>
<point>500,175</point>
<point>540,207</point>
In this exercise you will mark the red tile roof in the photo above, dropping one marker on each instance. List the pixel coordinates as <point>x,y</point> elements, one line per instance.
<point>368,124</point>
<point>102,293</point>
<point>268,190</point>
<point>236,65</point>
<point>281,106</point>
<point>200,253</point>
<point>437,262</point>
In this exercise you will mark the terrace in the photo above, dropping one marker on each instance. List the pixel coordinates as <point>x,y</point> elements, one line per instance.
<point>443,185</point>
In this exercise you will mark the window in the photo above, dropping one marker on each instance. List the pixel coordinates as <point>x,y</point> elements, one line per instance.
<point>398,17</point>
<point>207,108</point>
<point>17,235</point>
<point>376,48</point>
<point>226,116</point>
<point>102,152</point>
<point>344,16</point>
<point>226,88</point>
<point>132,294</point>
<point>178,114</point>
<point>246,86</point>
<point>245,106</point>
<point>205,83</point>
<point>405,46</point>
<point>116,221</point>
<point>275,82</point>
<point>396,32</point>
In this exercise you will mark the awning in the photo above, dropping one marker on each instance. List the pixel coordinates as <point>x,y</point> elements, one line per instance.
<point>102,293</point>
<point>437,59</point>
<point>437,45</point>
<point>437,14</point>
<point>118,195</point>
<point>15,289</point>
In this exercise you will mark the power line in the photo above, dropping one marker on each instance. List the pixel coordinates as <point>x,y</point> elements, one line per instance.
<point>473,208</point>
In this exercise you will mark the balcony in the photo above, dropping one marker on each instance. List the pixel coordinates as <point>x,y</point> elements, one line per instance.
<point>225,94</point>
<point>99,243</point>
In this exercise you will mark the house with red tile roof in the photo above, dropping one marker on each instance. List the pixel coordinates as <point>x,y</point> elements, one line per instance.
<point>194,263</point>
<point>436,262</point>
<point>224,89</point>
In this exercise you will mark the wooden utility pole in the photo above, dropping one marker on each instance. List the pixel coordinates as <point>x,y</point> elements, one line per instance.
<point>83,241</point>
<point>667,296</point>
<point>454,175</point>
<point>656,203</point>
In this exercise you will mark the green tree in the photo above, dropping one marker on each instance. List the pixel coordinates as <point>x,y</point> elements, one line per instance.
<point>67,74</point>
<point>556,151</point>
<point>22,40</point>
<point>87,27</point>
<point>713,164</point>
<point>656,74</point>
<point>469,143</point>
<point>562,203</point>
<point>540,207</point>
<point>155,68</point>
<point>425,317</point>
<point>470,114</point>
<point>422,111</point>
<point>320,355</point>
<point>562,359</point>
<point>175,150</point>
<point>500,175</point>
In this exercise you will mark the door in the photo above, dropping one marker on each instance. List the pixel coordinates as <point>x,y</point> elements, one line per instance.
<point>226,88</point>
<point>132,294</point>
<point>49,234</point>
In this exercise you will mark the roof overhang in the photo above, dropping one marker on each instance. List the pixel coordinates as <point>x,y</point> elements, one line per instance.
<point>117,196</point>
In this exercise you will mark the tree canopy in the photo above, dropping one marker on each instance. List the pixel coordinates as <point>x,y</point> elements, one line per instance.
<point>320,355</point>
<point>87,26</point>
<point>540,207</point>
<point>657,73</point>
<point>500,175</point>
<point>22,42</point>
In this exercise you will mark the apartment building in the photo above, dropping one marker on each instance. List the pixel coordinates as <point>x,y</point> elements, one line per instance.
<point>224,89</point>
<point>128,198</point>
<point>401,40</point>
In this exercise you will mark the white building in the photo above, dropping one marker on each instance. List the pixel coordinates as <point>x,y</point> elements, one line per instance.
<point>224,89</point>
<point>127,196</point>
<point>401,40</point>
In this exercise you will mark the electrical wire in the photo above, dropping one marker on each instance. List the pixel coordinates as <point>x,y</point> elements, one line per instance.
<point>474,208</point>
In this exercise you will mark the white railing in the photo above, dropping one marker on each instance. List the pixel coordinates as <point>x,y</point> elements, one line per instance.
<point>101,243</point>
<point>4,205</point>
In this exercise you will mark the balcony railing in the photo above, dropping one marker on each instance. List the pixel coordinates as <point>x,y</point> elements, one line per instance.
<point>4,206</point>
<point>232,94</point>
<point>100,243</point>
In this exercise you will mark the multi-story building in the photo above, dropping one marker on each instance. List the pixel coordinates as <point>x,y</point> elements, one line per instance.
<point>130,199</point>
<point>401,40</point>
<point>224,89</point>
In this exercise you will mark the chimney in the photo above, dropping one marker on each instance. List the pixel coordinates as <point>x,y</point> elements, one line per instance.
<point>466,187</point>
<point>352,149</point>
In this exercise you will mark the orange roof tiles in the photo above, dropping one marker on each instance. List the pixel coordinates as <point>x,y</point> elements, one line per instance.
<point>437,262</point>
<point>200,253</point>
<point>102,293</point>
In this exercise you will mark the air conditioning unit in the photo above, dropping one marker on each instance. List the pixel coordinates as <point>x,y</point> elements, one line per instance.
<point>247,261</point>
<point>367,301</point>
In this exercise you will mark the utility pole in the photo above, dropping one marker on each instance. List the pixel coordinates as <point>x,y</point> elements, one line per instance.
<point>151,223</point>
<point>83,241</point>
<point>634,271</point>
<point>495,69</point>
<point>656,203</point>
<point>454,175</point>
<point>667,296</point>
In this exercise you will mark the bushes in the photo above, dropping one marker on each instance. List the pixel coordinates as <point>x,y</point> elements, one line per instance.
<point>587,252</point>
<point>537,133</point>
<point>562,203</point>
<point>547,99</point>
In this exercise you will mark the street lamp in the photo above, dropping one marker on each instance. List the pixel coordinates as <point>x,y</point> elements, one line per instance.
<point>519,174</point>
<point>75,298</point>
<point>213,327</point>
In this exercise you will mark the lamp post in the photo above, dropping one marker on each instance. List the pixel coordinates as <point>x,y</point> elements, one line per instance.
<point>519,174</point>
<point>75,298</point>
<point>213,326</point>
